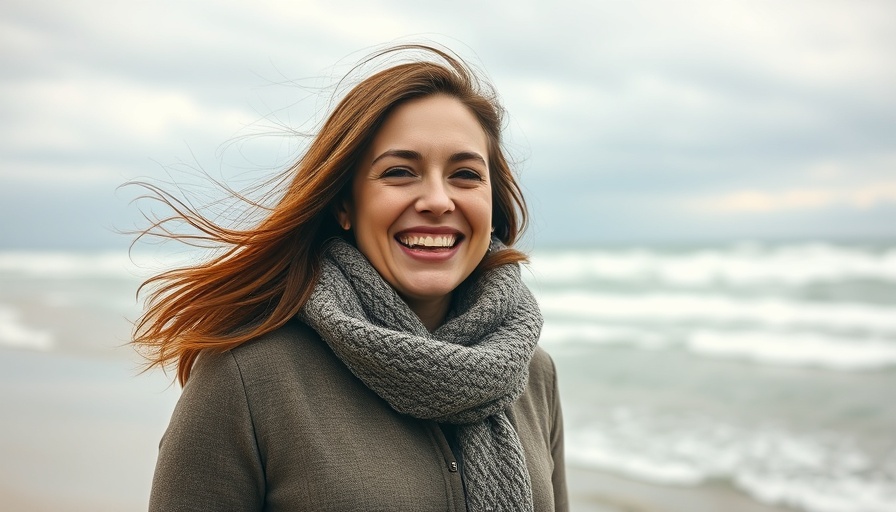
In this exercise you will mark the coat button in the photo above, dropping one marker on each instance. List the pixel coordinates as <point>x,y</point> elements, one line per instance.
<point>452,467</point>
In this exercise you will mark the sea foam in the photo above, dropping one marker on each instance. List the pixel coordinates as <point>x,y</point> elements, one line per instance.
<point>812,471</point>
<point>795,349</point>
<point>87,265</point>
<point>739,265</point>
<point>765,346</point>
<point>14,333</point>
<point>716,309</point>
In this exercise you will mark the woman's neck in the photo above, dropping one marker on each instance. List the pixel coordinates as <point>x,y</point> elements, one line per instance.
<point>431,312</point>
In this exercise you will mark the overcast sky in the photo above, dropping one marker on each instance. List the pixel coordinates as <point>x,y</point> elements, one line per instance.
<point>631,120</point>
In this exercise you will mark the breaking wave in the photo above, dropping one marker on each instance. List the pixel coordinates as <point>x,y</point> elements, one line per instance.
<point>739,265</point>
<point>814,471</point>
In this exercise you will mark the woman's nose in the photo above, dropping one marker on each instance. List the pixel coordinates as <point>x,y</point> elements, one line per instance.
<point>435,198</point>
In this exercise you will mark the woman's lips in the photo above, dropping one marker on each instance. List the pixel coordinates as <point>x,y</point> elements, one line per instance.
<point>430,243</point>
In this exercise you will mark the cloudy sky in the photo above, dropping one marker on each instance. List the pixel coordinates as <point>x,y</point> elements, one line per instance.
<point>630,120</point>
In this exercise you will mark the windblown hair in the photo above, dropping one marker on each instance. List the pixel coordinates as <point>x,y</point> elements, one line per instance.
<point>264,274</point>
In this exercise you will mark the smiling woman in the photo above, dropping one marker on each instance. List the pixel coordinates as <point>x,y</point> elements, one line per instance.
<point>369,345</point>
<point>421,202</point>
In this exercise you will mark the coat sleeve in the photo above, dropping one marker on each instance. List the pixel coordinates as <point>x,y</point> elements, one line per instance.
<point>561,495</point>
<point>208,457</point>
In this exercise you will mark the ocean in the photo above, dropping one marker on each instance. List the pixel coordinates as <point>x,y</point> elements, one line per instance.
<point>769,369</point>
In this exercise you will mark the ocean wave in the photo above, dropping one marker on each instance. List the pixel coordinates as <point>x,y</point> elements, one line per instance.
<point>651,308</point>
<point>738,265</point>
<point>741,264</point>
<point>772,347</point>
<point>593,333</point>
<point>795,349</point>
<point>812,471</point>
<point>14,333</point>
<point>80,265</point>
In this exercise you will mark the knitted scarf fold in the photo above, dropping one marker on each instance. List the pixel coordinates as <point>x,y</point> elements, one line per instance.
<point>467,372</point>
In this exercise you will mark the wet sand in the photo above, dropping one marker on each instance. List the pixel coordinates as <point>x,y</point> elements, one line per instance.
<point>596,491</point>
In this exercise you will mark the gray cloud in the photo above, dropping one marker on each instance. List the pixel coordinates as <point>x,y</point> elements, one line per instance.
<point>631,119</point>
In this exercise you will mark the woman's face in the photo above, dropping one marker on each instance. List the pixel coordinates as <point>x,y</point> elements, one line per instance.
<point>421,203</point>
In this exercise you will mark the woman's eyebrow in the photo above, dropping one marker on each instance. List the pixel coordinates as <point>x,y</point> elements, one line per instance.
<point>408,154</point>
<point>405,154</point>
<point>467,155</point>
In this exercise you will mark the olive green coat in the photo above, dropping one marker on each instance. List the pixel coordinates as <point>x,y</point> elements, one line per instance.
<point>280,424</point>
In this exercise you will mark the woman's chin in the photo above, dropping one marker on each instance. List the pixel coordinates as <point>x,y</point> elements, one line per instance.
<point>428,288</point>
<point>424,295</point>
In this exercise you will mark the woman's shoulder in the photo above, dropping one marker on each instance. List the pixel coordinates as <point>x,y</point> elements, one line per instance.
<point>292,340</point>
<point>541,368</point>
<point>291,350</point>
<point>541,392</point>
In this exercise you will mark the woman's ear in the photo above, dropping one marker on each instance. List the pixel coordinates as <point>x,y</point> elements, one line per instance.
<point>342,215</point>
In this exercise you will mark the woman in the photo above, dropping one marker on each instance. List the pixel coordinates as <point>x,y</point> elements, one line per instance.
<point>369,345</point>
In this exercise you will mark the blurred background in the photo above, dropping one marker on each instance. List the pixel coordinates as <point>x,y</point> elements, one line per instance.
<point>712,189</point>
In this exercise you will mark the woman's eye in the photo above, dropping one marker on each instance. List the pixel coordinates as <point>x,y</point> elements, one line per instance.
<point>467,174</point>
<point>397,172</point>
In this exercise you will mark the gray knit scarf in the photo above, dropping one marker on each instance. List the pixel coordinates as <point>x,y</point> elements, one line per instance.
<point>467,372</point>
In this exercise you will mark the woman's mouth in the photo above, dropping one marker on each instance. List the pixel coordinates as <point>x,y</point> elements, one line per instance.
<point>427,241</point>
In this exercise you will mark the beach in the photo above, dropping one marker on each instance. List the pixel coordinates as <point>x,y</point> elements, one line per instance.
<point>721,378</point>
<point>597,491</point>
<point>80,434</point>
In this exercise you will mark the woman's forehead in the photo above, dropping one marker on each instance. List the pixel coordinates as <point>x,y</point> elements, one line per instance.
<point>428,126</point>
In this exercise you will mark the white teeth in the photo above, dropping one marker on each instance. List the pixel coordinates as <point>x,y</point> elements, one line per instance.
<point>428,241</point>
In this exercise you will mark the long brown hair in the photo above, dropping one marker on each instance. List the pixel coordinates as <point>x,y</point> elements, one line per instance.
<point>265,273</point>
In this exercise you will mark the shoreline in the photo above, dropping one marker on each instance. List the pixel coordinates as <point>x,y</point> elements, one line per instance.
<point>592,490</point>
